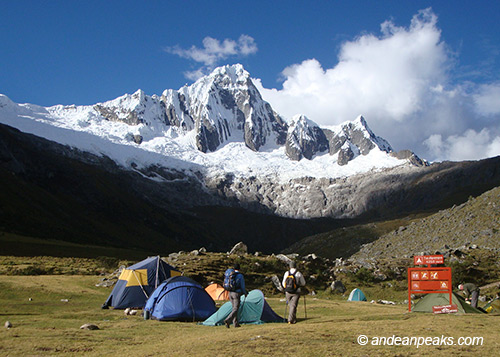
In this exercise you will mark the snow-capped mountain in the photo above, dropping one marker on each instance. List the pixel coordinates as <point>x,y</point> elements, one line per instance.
<point>304,139</point>
<point>353,139</point>
<point>218,125</point>
<point>184,165</point>
<point>225,106</point>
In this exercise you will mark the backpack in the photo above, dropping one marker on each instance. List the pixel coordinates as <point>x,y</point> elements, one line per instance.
<point>290,283</point>
<point>230,283</point>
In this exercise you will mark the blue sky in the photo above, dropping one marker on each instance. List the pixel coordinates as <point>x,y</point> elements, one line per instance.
<point>425,74</point>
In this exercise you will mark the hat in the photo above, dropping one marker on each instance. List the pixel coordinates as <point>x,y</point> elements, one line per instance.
<point>291,264</point>
<point>236,266</point>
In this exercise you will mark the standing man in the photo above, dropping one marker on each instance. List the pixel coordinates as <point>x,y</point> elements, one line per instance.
<point>292,281</point>
<point>234,282</point>
<point>471,292</point>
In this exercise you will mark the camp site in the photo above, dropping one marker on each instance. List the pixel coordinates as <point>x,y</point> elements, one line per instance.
<point>165,306</point>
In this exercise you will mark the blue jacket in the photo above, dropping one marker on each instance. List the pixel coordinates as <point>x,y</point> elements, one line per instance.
<point>240,283</point>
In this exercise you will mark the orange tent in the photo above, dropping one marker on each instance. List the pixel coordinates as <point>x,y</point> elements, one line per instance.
<point>217,292</point>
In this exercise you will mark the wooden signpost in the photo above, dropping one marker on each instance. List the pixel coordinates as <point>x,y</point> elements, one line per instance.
<point>426,280</point>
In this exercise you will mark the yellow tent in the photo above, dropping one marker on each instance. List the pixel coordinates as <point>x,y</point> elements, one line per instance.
<point>217,292</point>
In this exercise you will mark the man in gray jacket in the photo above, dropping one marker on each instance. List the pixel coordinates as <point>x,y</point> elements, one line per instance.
<point>471,292</point>
<point>292,281</point>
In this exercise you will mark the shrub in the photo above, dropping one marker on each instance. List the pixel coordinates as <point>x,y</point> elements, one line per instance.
<point>364,275</point>
<point>108,262</point>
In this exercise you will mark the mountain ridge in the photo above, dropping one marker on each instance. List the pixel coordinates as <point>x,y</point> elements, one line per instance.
<point>195,165</point>
<point>219,110</point>
<point>53,191</point>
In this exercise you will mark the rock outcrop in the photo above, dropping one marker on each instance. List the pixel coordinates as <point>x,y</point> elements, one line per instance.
<point>353,139</point>
<point>304,139</point>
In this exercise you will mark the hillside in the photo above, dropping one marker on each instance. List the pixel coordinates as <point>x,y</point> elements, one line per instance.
<point>475,222</point>
<point>56,192</point>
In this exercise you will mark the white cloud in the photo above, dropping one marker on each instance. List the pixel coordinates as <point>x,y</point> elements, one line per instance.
<point>487,99</point>
<point>247,45</point>
<point>213,52</point>
<point>387,75</point>
<point>400,81</point>
<point>471,145</point>
<point>194,75</point>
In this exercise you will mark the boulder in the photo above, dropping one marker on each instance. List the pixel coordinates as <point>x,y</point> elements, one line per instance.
<point>284,258</point>
<point>310,257</point>
<point>337,286</point>
<point>277,283</point>
<point>89,327</point>
<point>239,249</point>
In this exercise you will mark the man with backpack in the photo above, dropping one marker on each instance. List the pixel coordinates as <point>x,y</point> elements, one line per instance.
<point>234,282</point>
<point>292,281</point>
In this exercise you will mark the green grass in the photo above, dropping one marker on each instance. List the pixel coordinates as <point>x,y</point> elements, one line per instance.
<point>20,245</point>
<point>48,326</point>
<point>46,265</point>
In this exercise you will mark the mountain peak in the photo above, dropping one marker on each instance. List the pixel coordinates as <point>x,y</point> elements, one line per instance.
<point>304,138</point>
<point>361,121</point>
<point>301,120</point>
<point>6,102</point>
<point>236,72</point>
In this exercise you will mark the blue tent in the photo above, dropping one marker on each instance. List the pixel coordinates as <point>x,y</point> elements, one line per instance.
<point>254,309</point>
<point>137,282</point>
<point>356,295</point>
<point>180,298</point>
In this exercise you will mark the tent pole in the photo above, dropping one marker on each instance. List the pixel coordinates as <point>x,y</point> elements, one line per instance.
<point>192,307</point>
<point>157,267</point>
<point>133,271</point>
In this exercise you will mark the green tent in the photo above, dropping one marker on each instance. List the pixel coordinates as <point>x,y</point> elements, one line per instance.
<point>254,309</point>
<point>426,303</point>
<point>356,295</point>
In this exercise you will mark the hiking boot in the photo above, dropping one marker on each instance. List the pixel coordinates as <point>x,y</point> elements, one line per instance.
<point>226,323</point>
<point>237,325</point>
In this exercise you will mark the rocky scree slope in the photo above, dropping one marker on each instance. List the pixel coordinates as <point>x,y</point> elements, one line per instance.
<point>374,195</point>
<point>473,223</point>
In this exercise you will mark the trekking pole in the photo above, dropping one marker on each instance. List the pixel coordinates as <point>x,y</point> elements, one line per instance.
<point>305,309</point>
<point>286,306</point>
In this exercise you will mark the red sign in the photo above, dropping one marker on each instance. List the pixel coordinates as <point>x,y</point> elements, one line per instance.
<point>429,280</point>
<point>430,285</point>
<point>429,274</point>
<point>445,309</point>
<point>428,259</point>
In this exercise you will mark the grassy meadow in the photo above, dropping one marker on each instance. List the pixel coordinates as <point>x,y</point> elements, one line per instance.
<point>50,323</point>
